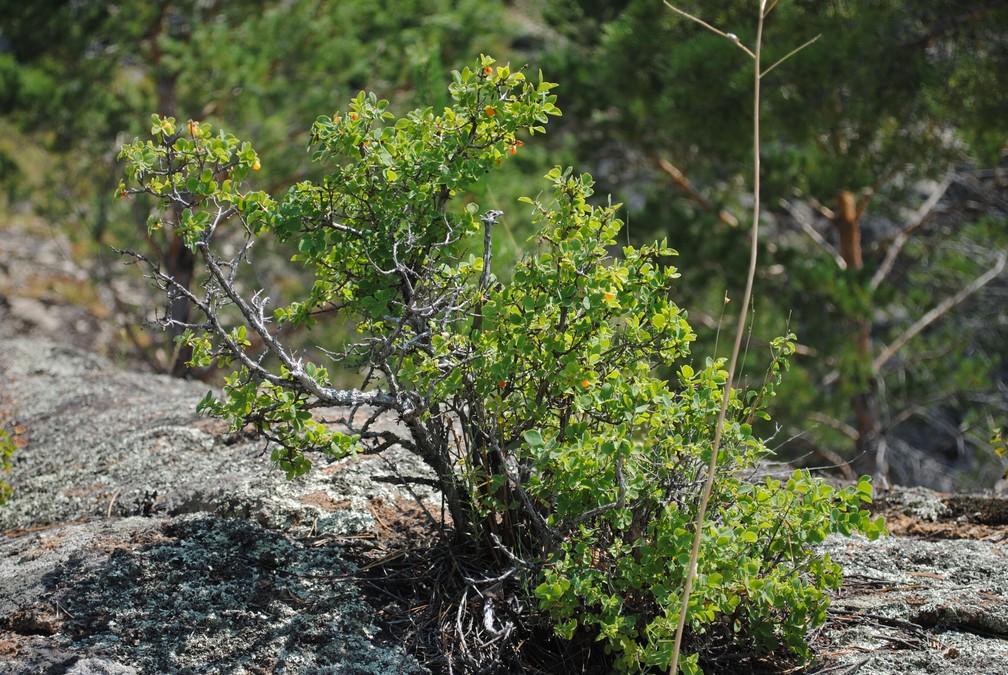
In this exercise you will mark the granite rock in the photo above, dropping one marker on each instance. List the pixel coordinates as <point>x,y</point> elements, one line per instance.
<point>143,538</point>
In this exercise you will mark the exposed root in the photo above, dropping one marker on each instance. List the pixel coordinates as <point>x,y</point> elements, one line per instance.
<point>463,612</point>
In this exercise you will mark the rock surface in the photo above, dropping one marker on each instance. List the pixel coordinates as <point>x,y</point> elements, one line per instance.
<point>918,606</point>
<point>46,289</point>
<point>142,538</point>
<point>931,598</point>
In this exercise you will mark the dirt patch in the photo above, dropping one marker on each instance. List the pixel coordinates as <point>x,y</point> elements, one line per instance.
<point>402,522</point>
<point>325,501</point>
<point>903,525</point>
<point>921,513</point>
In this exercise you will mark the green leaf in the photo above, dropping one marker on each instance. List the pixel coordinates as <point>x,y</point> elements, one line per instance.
<point>533,438</point>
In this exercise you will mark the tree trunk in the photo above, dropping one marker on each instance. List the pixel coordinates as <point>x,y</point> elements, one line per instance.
<point>870,447</point>
<point>178,260</point>
<point>847,221</point>
<point>180,263</point>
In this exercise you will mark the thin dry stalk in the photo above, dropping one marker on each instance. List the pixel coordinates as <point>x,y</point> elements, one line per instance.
<point>754,53</point>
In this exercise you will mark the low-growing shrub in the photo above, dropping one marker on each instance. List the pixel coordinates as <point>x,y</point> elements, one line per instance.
<point>533,397</point>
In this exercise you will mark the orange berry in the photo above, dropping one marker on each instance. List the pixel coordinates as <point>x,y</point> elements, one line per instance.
<point>502,384</point>
<point>353,116</point>
<point>585,383</point>
<point>519,143</point>
<point>256,165</point>
<point>513,150</point>
<point>609,296</point>
<point>488,70</point>
<point>489,111</point>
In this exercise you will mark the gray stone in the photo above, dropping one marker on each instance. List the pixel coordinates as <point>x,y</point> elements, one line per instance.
<point>99,666</point>
<point>142,538</point>
<point>910,605</point>
<point>102,442</point>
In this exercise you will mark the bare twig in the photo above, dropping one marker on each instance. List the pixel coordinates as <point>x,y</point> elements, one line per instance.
<point>739,332</point>
<point>108,512</point>
<point>254,315</point>
<point>731,37</point>
<point>61,608</point>
<point>789,54</point>
<point>901,239</point>
<point>940,309</point>
<point>835,462</point>
<point>843,668</point>
<point>489,220</point>
<point>813,233</point>
<point>458,623</point>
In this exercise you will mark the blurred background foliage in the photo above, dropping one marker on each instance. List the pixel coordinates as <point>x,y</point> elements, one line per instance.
<point>885,167</point>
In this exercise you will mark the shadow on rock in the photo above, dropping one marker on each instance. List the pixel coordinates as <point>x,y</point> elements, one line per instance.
<point>209,595</point>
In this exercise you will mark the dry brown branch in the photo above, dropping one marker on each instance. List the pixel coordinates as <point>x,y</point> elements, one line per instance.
<point>813,233</point>
<point>820,208</point>
<point>684,184</point>
<point>835,424</point>
<point>937,312</point>
<point>866,197</point>
<point>901,239</point>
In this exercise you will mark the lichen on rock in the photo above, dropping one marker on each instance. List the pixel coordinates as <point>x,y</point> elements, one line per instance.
<point>142,539</point>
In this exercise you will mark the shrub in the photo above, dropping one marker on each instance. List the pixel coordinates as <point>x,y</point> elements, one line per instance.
<point>533,399</point>
<point>8,445</point>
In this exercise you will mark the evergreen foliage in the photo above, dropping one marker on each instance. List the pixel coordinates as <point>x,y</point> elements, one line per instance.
<point>883,168</point>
